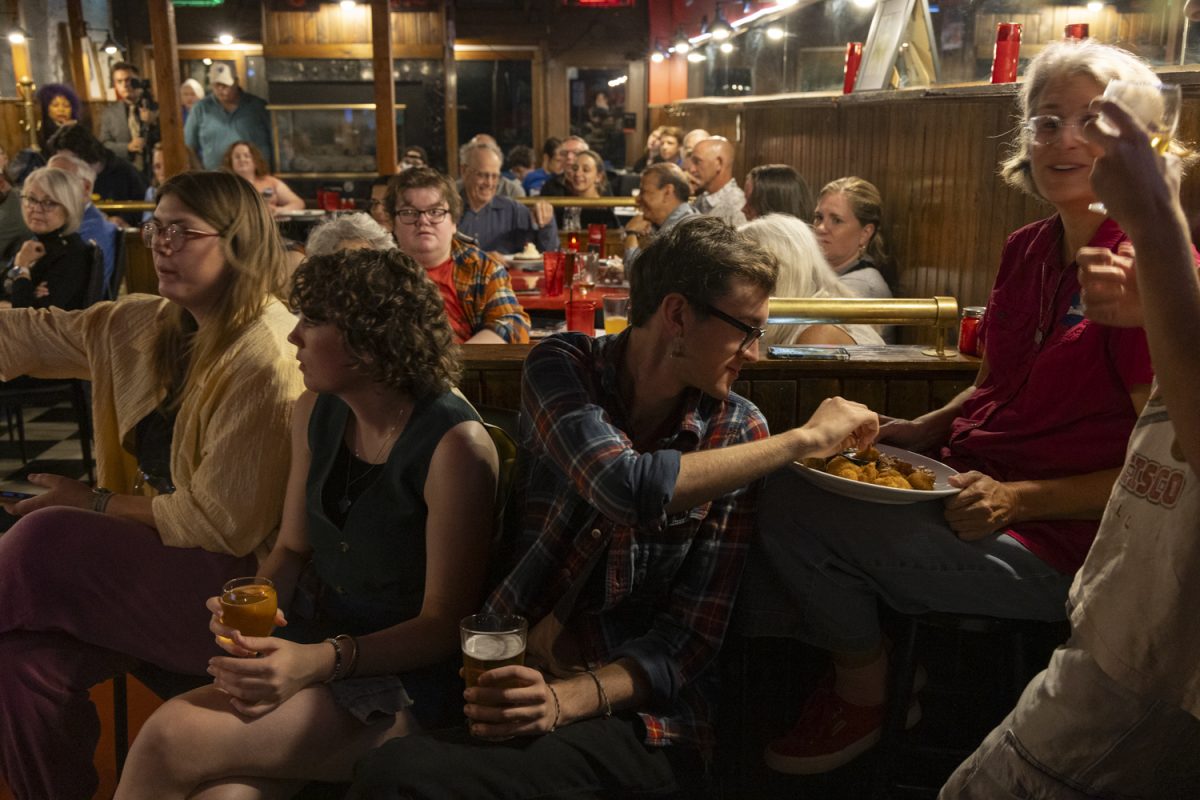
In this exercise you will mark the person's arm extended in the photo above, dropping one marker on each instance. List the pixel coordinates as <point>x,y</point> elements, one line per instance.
<point>1162,291</point>
<point>836,425</point>
<point>634,488</point>
<point>932,429</point>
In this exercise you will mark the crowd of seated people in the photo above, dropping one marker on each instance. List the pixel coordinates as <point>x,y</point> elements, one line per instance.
<point>651,509</point>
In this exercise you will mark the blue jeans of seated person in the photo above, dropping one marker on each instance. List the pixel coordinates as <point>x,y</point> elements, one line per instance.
<point>1077,734</point>
<point>820,563</point>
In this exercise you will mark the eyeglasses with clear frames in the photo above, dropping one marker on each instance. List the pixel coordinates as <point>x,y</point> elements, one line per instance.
<point>753,334</point>
<point>45,205</point>
<point>410,216</point>
<point>1048,128</point>
<point>176,235</point>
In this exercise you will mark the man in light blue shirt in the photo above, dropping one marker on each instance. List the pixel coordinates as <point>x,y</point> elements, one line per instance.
<point>225,117</point>
<point>500,224</point>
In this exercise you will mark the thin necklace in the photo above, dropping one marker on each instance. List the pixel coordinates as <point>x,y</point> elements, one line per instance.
<point>1046,310</point>
<point>352,453</point>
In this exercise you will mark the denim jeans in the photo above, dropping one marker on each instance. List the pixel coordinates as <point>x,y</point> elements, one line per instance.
<point>821,562</point>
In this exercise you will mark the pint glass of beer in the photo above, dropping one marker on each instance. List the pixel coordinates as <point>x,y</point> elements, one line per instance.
<point>490,641</point>
<point>249,604</point>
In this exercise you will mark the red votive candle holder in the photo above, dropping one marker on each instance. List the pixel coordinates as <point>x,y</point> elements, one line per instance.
<point>581,316</point>
<point>1076,30</point>
<point>853,60</point>
<point>1007,52</point>
<point>552,282</point>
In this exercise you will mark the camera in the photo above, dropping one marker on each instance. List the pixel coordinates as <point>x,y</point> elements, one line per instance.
<point>146,100</point>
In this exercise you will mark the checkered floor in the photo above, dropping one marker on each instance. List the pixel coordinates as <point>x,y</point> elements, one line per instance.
<point>51,445</point>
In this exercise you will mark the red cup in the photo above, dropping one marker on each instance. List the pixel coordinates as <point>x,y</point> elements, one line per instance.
<point>330,201</point>
<point>597,232</point>
<point>853,59</point>
<point>1007,52</point>
<point>1076,30</point>
<point>581,316</point>
<point>553,263</point>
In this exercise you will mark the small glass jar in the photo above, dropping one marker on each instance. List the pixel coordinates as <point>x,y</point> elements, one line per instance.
<point>968,330</point>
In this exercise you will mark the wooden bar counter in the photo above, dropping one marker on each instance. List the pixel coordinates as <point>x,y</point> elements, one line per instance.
<point>897,380</point>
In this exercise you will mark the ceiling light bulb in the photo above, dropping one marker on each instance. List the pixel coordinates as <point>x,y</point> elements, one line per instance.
<point>775,33</point>
<point>16,36</point>
<point>657,57</point>
<point>348,5</point>
<point>683,46</point>
<point>721,34</point>
<point>727,47</point>
<point>1095,6</point>
<point>695,58</point>
<point>225,39</point>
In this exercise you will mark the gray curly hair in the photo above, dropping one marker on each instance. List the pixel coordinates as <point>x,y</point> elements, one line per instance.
<point>328,237</point>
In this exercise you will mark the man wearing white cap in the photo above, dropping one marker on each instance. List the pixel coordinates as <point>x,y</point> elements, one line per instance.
<point>227,116</point>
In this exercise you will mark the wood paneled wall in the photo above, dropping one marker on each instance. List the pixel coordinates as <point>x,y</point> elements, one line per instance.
<point>329,31</point>
<point>933,156</point>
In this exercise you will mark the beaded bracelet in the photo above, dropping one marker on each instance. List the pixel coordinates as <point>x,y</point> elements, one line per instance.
<point>557,709</point>
<point>337,659</point>
<point>605,706</point>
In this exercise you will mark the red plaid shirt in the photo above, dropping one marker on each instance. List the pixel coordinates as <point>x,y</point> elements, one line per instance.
<point>664,584</point>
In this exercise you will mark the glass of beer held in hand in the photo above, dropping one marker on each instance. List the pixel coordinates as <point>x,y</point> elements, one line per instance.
<point>249,604</point>
<point>490,641</point>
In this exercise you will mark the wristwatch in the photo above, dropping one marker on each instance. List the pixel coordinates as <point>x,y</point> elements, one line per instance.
<point>15,272</point>
<point>100,498</point>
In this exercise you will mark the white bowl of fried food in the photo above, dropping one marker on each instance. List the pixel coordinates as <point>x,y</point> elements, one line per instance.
<point>881,474</point>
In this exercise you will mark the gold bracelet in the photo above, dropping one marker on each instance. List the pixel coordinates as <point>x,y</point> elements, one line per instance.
<point>353,665</point>
<point>557,709</point>
<point>605,706</point>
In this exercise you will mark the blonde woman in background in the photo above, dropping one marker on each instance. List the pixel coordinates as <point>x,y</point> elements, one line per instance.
<point>803,272</point>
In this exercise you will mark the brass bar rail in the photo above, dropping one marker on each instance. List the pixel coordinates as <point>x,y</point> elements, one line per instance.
<point>579,202</point>
<point>936,312</point>
<point>113,207</point>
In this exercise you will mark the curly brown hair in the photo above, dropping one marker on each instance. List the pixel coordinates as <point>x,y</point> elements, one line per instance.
<point>261,170</point>
<point>390,313</point>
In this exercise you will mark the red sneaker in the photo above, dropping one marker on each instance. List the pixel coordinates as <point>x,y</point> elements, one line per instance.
<point>830,733</point>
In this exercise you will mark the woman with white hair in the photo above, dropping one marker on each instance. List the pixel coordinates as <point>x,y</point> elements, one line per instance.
<point>53,267</point>
<point>190,93</point>
<point>1038,441</point>
<point>356,231</point>
<point>803,272</point>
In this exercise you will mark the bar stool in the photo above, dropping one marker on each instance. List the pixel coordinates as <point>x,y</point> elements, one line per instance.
<point>1024,647</point>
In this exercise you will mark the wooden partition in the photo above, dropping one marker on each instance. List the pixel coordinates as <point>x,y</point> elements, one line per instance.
<point>902,383</point>
<point>933,155</point>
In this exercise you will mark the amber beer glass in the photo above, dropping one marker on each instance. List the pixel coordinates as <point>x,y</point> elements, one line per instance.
<point>249,604</point>
<point>490,641</point>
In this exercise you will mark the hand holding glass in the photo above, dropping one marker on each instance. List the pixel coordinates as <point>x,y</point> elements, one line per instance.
<point>249,605</point>
<point>1155,105</point>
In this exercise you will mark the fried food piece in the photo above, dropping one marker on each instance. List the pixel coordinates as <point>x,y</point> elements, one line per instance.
<point>869,472</point>
<point>921,478</point>
<point>869,454</point>
<point>843,468</point>
<point>814,463</point>
<point>892,478</point>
